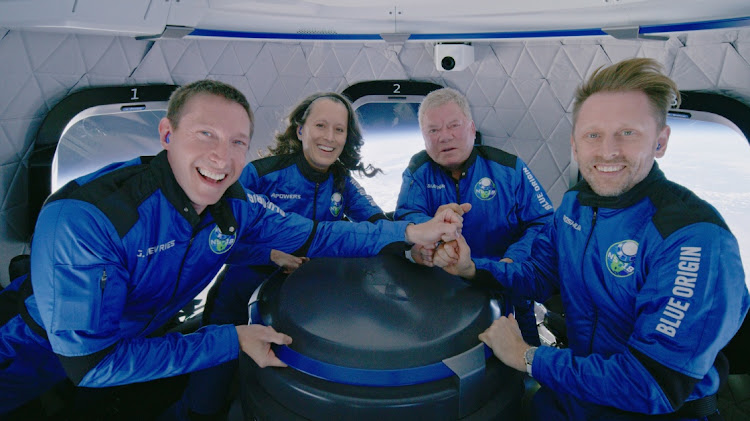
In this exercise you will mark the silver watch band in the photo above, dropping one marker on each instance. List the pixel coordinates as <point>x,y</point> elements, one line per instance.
<point>528,358</point>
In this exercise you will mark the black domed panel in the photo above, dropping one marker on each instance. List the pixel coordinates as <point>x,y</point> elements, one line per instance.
<point>375,313</point>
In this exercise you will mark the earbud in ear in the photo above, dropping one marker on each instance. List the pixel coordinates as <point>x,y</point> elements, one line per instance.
<point>299,131</point>
<point>658,146</point>
<point>166,138</point>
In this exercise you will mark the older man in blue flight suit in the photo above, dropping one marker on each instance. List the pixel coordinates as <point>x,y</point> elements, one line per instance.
<point>508,205</point>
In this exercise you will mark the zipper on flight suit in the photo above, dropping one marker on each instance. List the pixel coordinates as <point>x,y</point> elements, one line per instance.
<point>315,201</point>
<point>458,191</point>
<point>596,309</point>
<point>179,273</point>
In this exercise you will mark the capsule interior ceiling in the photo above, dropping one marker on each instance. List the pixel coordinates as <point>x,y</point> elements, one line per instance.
<point>529,58</point>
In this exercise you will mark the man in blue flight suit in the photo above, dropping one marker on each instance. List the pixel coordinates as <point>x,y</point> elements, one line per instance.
<point>508,205</point>
<point>310,173</point>
<point>651,279</point>
<point>118,252</point>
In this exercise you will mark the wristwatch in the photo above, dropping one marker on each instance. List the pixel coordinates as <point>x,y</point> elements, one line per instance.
<point>528,358</point>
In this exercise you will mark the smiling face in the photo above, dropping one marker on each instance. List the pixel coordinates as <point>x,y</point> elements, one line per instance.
<point>615,141</point>
<point>323,135</point>
<point>448,135</point>
<point>207,149</point>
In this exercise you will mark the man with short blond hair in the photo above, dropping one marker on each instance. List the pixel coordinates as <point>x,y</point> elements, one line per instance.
<point>651,278</point>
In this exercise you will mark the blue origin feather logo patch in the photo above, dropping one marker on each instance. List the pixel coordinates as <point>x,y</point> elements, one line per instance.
<point>337,202</point>
<point>621,258</point>
<point>485,189</point>
<point>220,243</point>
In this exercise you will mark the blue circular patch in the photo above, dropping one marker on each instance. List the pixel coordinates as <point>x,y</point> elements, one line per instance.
<point>337,202</point>
<point>220,243</point>
<point>621,257</point>
<point>485,189</point>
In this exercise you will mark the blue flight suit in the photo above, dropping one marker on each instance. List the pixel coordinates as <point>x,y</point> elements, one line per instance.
<point>118,252</point>
<point>509,208</point>
<point>653,288</point>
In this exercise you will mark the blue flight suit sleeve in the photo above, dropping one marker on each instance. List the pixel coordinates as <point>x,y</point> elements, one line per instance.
<point>249,177</point>
<point>360,206</point>
<point>411,204</point>
<point>294,234</point>
<point>252,254</point>
<point>533,210</point>
<point>536,277</point>
<point>81,285</point>
<point>143,359</point>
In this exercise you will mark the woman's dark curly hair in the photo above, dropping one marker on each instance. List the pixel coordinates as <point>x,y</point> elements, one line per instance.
<point>350,158</point>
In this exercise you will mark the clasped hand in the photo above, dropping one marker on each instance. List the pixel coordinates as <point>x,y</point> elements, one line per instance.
<point>423,252</point>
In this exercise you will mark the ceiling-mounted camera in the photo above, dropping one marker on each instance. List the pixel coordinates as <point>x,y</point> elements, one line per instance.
<point>453,56</point>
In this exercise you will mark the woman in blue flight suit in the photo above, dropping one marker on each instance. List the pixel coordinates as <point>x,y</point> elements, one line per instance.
<point>308,173</point>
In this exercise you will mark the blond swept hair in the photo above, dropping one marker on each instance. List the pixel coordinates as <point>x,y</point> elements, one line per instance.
<point>636,74</point>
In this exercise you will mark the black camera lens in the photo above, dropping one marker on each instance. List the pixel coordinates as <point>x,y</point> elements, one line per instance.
<point>448,63</point>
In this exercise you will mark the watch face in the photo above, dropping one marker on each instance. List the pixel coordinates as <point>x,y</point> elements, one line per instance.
<point>528,356</point>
